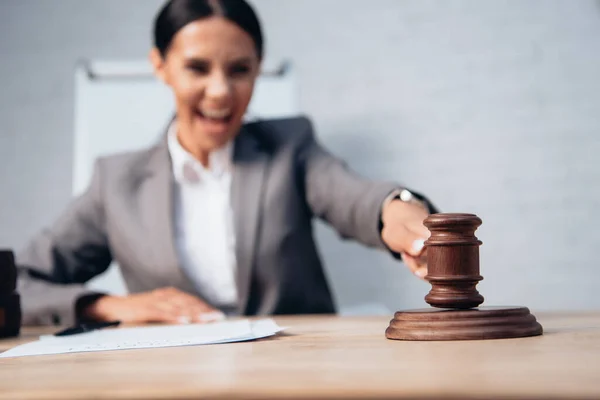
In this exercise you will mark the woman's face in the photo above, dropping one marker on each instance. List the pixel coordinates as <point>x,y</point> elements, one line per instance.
<point>211,66</point>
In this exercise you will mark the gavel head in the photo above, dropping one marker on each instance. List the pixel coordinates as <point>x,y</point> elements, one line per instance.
<point>453,261</point>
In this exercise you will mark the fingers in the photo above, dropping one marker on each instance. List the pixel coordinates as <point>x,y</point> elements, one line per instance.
<point>403,230</point>
<point>184,307</point>
<point>417,227</point>
<point>403,240</point>
<point>166,311</point>
<point>165,305</point>
<point>213,316</point>
<point>162,313</point>
<point>157,314</point>
<point>417,265</point>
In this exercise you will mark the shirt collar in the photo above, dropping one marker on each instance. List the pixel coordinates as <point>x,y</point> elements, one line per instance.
<point>186,169</point>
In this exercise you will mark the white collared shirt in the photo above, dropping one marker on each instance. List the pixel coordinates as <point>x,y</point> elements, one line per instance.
<point>204,231</point>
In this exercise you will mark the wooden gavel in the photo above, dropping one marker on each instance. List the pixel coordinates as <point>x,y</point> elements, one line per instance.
<point>453,271</point>
<point>10,302</point>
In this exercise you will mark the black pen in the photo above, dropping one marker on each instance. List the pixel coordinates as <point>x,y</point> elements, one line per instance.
<point>87,327</point>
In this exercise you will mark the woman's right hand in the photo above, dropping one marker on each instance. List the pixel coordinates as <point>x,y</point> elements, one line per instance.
<point>166,305</point>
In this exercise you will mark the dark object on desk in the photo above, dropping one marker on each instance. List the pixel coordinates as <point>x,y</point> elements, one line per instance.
<point>10,302</point>
<point>453,271</point>
<point>87,327</point>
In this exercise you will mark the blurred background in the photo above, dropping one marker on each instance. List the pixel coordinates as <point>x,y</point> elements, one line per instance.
<point>486,107</point>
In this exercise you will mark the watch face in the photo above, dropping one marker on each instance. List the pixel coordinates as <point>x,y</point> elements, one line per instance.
<point>406,196</point>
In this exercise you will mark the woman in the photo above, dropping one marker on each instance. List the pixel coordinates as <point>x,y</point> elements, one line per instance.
<point>217,217</point>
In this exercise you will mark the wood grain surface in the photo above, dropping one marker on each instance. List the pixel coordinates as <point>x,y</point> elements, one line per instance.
<point>325,357</point>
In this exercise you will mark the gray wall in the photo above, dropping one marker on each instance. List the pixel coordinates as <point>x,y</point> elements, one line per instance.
<point>491,107</point>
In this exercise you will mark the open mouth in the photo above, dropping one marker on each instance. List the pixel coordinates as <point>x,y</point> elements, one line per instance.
<point>216,116</point>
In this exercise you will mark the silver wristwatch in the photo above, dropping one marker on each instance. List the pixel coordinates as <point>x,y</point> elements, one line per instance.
<point>406,196</point>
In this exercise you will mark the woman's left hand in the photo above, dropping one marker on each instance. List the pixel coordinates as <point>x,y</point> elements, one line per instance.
<point>403,232</point>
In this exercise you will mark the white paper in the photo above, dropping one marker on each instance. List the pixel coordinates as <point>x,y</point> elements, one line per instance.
<point>148,337</point>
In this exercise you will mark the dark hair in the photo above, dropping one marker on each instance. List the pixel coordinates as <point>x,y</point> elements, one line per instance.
<point>176,14</point>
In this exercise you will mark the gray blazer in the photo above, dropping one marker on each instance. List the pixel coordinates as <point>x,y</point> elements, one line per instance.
<point>282,177</point>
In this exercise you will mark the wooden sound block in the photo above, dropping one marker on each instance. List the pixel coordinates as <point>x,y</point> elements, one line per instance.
<point>472,324</point>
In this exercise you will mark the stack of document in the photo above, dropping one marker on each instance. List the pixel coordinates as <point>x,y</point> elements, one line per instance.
<point>148,337</point>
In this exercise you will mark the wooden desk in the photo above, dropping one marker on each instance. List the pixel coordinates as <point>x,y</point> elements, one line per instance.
<point>326,357</point>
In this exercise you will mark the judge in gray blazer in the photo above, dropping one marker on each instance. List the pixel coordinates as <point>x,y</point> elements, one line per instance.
<point>217,216</point>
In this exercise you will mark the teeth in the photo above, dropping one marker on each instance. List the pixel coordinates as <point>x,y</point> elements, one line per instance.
<point>217,114</point>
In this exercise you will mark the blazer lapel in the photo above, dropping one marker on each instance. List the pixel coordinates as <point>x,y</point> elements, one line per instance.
<point>250,162</point>
<point>157,212</point>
